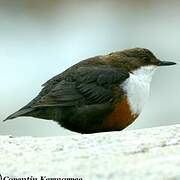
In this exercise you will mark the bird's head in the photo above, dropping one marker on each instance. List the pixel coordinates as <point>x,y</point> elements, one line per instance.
<point>139,57</point>
<point>139,61</point>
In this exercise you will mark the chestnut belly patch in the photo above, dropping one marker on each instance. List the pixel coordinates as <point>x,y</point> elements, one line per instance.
<point>120,117</point>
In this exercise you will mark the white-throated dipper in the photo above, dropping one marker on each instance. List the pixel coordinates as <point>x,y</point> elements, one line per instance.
<point>102,93</point>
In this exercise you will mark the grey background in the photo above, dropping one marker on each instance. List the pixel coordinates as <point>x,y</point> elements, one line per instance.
<point>41,38</point>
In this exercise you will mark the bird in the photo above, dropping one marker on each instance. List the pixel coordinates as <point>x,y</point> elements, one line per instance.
<point>98,94</point>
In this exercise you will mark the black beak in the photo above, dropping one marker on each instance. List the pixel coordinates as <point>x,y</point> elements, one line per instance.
<point>166,63</point>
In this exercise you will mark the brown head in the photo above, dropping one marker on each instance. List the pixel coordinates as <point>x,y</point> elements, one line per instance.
<point>132,59</point>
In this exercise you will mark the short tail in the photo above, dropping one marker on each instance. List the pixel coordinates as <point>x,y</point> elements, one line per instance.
<point>21,112</point>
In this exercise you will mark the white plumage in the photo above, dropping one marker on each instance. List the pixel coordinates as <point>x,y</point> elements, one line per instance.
<point>137,87</point>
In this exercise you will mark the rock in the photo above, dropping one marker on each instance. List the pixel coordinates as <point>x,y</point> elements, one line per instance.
<point>143,154</point>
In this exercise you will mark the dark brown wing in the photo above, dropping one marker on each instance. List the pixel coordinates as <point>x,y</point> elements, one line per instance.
<point>87,85</point>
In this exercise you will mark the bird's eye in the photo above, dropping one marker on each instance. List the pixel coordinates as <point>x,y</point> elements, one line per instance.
<point>146,59</point>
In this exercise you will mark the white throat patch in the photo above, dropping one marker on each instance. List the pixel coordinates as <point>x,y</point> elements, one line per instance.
<point>137,87</point>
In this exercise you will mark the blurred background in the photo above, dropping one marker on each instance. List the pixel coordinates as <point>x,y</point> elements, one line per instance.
<point>41,38</point>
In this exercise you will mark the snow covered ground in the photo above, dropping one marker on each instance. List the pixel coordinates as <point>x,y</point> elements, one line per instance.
<point>146,154</point>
